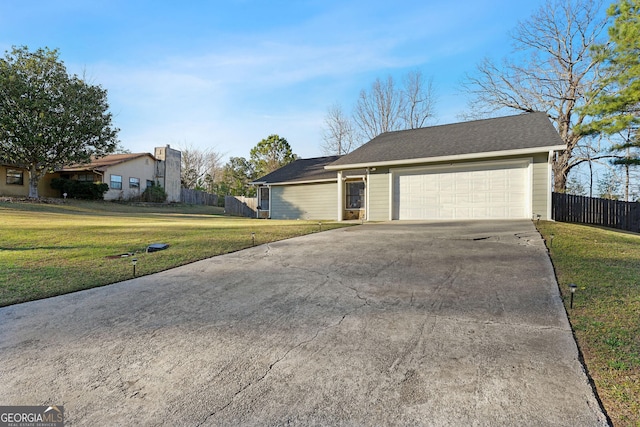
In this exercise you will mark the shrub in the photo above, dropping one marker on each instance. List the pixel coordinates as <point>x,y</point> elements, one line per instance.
<point>154,194</point>
<point>79,189</point>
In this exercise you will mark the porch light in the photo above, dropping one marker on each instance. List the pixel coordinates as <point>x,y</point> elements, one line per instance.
<point>572,288</point>
<point>134,261</point>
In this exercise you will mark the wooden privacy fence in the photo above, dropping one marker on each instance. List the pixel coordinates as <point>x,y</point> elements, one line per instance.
<point>588,210</point>
<point>240,206</point>
<point>195,197</point>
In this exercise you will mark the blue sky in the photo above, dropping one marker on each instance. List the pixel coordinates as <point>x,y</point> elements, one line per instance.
<point>226,74</point>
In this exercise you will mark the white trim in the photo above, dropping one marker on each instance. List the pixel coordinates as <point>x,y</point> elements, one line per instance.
<point>340,197</point>
<point>454,157</point>
<point>523,161</point>
<point>528,201</point>
<point>259,200</point>
<point>311,181</point>
<point>549,185</point>
<point>366,196</point>
<point>390,195</point>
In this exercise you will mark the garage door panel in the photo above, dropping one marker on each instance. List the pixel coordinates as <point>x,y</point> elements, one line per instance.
<point>481,193</point>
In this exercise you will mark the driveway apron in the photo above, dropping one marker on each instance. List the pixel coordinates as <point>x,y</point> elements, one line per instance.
<point>403,323</point>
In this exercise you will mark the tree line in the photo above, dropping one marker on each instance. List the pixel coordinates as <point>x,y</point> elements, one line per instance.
<point>569,60</point>
<point>202,169</point>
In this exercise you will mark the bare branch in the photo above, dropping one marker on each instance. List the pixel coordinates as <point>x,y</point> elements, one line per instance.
<point>338,134</point>
<point>552,70</point>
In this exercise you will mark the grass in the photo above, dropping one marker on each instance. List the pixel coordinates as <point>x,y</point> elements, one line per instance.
<point>605,265</point>
<point>53,249</point>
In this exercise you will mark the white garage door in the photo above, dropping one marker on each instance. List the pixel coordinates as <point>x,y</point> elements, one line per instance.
<point>480,192</point>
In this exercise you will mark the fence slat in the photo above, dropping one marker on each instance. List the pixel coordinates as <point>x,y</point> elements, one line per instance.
<point>240,206</point>
<point>595,211</point>
<point>195,197</point>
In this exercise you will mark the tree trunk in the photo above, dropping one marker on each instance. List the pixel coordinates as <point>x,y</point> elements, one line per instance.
<point>34,178</point>
<point>560,172</point>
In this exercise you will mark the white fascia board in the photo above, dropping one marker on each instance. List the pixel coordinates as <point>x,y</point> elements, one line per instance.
<point>470,156</point>
<point>313,181</point>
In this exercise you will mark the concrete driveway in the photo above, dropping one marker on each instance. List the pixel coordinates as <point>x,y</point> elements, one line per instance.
<point>381,324</point>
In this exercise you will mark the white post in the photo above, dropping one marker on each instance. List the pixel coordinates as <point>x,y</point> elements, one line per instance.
<point>366,196</point>
<point>340,197</point>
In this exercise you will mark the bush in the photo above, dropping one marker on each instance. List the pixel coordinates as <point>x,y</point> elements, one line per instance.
<point>154,194</point>
<point>79,189</point>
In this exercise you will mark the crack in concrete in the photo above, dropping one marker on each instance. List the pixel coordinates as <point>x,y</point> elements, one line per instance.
<point>273,364</point>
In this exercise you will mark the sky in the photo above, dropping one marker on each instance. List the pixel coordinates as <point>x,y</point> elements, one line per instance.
<point>223,75</point>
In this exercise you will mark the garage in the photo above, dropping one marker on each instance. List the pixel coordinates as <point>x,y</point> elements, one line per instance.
<point>473,191</point>
<point>497,168</point>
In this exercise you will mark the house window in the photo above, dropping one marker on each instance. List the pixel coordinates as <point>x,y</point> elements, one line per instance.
<point>264,198</point>
<point>150,183</point>
<point>134,182</point>
<point>116,182</point>
<point>355,195</point>
<point>15,177</point>
<point>85,177</point>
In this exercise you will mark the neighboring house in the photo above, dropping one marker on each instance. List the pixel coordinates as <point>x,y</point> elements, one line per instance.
<point>486,169</point>
<point>14,182</point>
<point>127,175</point>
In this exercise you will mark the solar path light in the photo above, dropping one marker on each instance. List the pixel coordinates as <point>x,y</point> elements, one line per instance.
<point>572,288</point>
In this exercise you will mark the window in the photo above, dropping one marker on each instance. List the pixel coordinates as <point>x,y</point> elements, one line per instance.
<point>264,198</point>
<point>150,183</point>
<point>15,177</point>
<point>134,182</point>
<point>116,182</point>
<point>85,177</point>
<point>355,195</point>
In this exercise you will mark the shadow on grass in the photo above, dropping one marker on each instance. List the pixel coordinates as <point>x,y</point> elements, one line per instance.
<point>38,248</point>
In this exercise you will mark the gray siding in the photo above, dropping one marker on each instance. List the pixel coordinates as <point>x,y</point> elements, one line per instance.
<point>379,196</point>
<point>541,186</point>
<point>305,201</point>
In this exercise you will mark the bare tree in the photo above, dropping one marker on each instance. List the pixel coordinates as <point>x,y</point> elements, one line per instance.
<point>201,168</point>
<point>552,70</point>
<point>378,110</point>
<point>418,100</point>
<point>386,107</point>
<point>338,134</point>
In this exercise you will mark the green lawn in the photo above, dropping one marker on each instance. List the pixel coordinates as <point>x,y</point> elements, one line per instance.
<point>52,249</point>
<point>605,265</point>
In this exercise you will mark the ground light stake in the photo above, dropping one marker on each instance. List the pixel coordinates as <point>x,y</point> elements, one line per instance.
<point>572,287</point>
<point>253,239</point>
<point>134,261</point>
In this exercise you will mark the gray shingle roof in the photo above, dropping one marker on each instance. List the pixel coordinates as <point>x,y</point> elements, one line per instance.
<point>525,131</point>
<point>302,170</point>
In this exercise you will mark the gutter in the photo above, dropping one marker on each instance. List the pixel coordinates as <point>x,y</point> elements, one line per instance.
<point>468,156</point>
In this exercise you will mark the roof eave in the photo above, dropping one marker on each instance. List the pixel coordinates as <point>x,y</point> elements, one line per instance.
<point>311,181</point>
<point>469,156</point>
